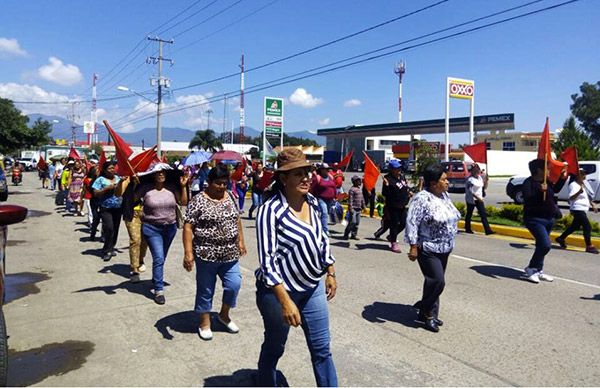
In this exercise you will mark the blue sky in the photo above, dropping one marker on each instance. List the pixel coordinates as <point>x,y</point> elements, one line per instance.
<point>50,49</point>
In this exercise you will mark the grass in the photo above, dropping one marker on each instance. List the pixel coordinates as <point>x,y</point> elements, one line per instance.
<point>507,222</point>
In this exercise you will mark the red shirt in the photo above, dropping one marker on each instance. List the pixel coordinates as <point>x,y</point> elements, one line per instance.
<point>324,188</point>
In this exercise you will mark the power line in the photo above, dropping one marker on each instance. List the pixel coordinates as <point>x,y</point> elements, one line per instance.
<point>326,44</point>
<point>255,89</point>
<point>208,18</point>
<point>187,18</point>
<point>173,18</point>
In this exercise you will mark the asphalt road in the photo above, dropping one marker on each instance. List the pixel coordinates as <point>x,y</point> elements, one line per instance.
<point>74,320</point>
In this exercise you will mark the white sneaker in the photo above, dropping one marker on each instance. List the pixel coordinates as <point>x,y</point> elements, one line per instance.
<point>205,334</point>
<point>532,275</point>
<point>142,268</point>
<point>544,277</point>
<point>231,326</point>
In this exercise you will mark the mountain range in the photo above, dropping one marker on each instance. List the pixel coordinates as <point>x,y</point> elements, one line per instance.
<point>62,130</point>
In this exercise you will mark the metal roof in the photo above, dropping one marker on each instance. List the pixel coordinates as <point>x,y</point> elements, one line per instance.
<point>424,127</point>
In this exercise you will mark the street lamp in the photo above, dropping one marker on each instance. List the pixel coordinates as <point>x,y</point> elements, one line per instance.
<point>158,109</point>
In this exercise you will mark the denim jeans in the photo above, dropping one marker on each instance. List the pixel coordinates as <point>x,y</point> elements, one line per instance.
<point>159,238</point>
<point>241,197</point>
<point>257,201</point>
<point>325,205</point>
<point>353,223</point>
<point>315,324</point>
<point>206,278</point>
<point>540,228</point>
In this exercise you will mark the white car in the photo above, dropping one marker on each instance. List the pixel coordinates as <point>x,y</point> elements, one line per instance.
<point>30,164</point>
<point>514,188</point>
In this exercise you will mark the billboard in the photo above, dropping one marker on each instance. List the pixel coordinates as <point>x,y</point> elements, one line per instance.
<point>461,88</point>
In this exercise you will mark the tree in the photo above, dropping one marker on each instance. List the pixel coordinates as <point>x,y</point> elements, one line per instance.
<point>586,108</point>
<point>573,135</point>
<point>39,133</point>
<point>206,140</point>
<point>13,127</point>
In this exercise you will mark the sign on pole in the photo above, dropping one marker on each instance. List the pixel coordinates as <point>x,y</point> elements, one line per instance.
<point>273,121</point>
<point>88,127</point>
<point>463,89</point>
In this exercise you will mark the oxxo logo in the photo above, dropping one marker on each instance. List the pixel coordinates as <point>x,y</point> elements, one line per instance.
<point>462,90</point>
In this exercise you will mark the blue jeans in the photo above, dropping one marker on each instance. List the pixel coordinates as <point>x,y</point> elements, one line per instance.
<point>257,201</point>
<point>315,324</point>
<point>159,238</point>
<point>241,197</point>
<point>206,278</point>
<point>540,228</point>
<point>325,205</point>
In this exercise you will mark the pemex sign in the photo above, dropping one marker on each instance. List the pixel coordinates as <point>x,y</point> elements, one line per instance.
<point>273,113</point>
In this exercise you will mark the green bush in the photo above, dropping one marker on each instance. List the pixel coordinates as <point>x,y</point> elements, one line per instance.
<point>512,212</point>
<point>462,208</point>
<point>564,222</point>
<point>492,211</point>
<point>595,226</point>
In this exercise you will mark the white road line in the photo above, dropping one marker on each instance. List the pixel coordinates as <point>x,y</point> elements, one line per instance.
<point>521,270</point>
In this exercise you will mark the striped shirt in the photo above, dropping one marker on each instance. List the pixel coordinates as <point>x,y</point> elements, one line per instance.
<point>290,251</point>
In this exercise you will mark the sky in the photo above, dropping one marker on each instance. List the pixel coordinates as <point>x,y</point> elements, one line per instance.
<point>49,51</point>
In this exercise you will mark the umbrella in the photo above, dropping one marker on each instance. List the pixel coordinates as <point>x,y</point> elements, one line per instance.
<point>58,157</point>
<point>197,157</point>
<point>227,155</point>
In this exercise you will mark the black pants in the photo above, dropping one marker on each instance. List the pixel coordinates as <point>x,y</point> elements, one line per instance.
<point>433,267</point>
<point>481,210</point>
<point>579,220</point>
<point>94,205</point>
<point>111,220</point>
<point>397,217</point>
<point>372,198</point>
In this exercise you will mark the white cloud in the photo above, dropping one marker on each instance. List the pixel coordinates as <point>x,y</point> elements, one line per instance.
<point>304,99</point>
<point>352,103</point>
<point>19,92</point>
<point>196,116</point>
<point>325,121</point>
<point>11,48</point>
<point>56,71</point>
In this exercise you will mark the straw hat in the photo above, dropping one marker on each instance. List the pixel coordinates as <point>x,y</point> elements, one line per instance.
<point>290,159</point>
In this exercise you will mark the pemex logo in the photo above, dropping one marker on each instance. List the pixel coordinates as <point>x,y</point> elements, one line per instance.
<point>273,107</point>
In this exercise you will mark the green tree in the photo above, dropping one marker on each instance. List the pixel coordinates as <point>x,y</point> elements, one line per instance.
<point>586,108</point>
<point>206,140</point>
<point>13,127</point>
<point>573,135</point>
<point>38,134</point>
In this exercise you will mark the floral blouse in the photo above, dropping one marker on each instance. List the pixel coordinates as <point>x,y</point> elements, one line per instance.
<point>432,222</point>
<point>215,228</point>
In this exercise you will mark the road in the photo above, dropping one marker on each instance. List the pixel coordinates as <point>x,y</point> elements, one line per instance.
<point>74,320</point>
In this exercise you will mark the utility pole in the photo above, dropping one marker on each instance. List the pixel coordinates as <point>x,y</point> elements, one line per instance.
<point>208,113</point>
<point>94,117</point>
<point>400,70</point>
<point>225,114</point>
<point>73,117</point>
<point>160,82</point>
<point>242,113</point>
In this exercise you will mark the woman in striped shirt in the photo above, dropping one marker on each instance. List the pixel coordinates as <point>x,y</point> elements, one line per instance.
<point>294,256</point>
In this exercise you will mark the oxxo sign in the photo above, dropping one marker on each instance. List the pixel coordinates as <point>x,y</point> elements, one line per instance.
<point>461,88</point>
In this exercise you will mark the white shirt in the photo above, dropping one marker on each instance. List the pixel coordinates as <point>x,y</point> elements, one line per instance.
<point>582,201</point>
<point>474,189</point>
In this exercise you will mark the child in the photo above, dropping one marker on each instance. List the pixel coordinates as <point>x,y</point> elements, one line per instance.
<point>356,203</point>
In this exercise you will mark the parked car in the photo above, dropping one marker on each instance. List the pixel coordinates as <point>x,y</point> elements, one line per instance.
<point>28,163</point>
<point>514,187</point>
<point>457,172</point>
<point>9,214</point>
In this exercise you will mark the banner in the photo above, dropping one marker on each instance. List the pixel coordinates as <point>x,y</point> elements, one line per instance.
<point>461,88</point>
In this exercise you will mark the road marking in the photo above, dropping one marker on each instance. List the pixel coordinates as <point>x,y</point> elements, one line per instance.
<point>519,269</point>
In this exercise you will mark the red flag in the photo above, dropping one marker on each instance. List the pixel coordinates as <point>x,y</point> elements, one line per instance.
<point>239,172</point>
<point>102,160</point>
<point>569,155</point>
<point>266,180</point>
<point>142,161</point>
<point>346,160</point>
<point>371,173</point>
<point>88,165</point>
<point>122,152</point>
<point>477,152</point>
<point>74,154</point>
<point>41,164</point>
<point>545,153</point>
<point>164,159</point>
<point>555,167</point>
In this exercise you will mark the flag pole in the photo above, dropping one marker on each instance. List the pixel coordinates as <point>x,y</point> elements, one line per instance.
<point>107,125</point>
<point>545,174</point>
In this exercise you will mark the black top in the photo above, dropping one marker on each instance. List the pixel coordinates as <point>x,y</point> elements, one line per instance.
<point>396,192</point>
<point>255,182</point>
<point>533,197</point>
<point>128,202</point>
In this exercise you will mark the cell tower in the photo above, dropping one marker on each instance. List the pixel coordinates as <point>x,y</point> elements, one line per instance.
<point>242,114</point>
<point>399,70</point>
<point>94,116</point>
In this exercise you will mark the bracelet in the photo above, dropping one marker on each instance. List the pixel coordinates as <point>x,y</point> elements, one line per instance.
<point>332,274</point>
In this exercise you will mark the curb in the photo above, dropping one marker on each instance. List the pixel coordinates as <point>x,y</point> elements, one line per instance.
<point>512,231</point>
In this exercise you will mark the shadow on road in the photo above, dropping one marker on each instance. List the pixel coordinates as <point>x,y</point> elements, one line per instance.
<point>185,322</point>
<point>142,288</point>
<point>93,252</point>
<point>118,269</point>
<point>380,247</point>
<point>19,285</point>
<point>497,272</point>
<point>380,312</point>
<point>595,297</point>
<point>241,378</point>
<point>521,246</point>
<point>32,366</point>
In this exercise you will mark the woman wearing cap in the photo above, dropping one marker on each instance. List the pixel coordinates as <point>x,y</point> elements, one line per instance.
<point>324,189</point>
<point>430,230</point>
<point>213,239</point>
<point>294,256</point>
<point>110,208</point>
<point>396,193</point>
<point>159,217</point>
<point>579,204</point>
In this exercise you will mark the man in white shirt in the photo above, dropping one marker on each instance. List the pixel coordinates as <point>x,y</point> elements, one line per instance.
<point>474,187</point>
